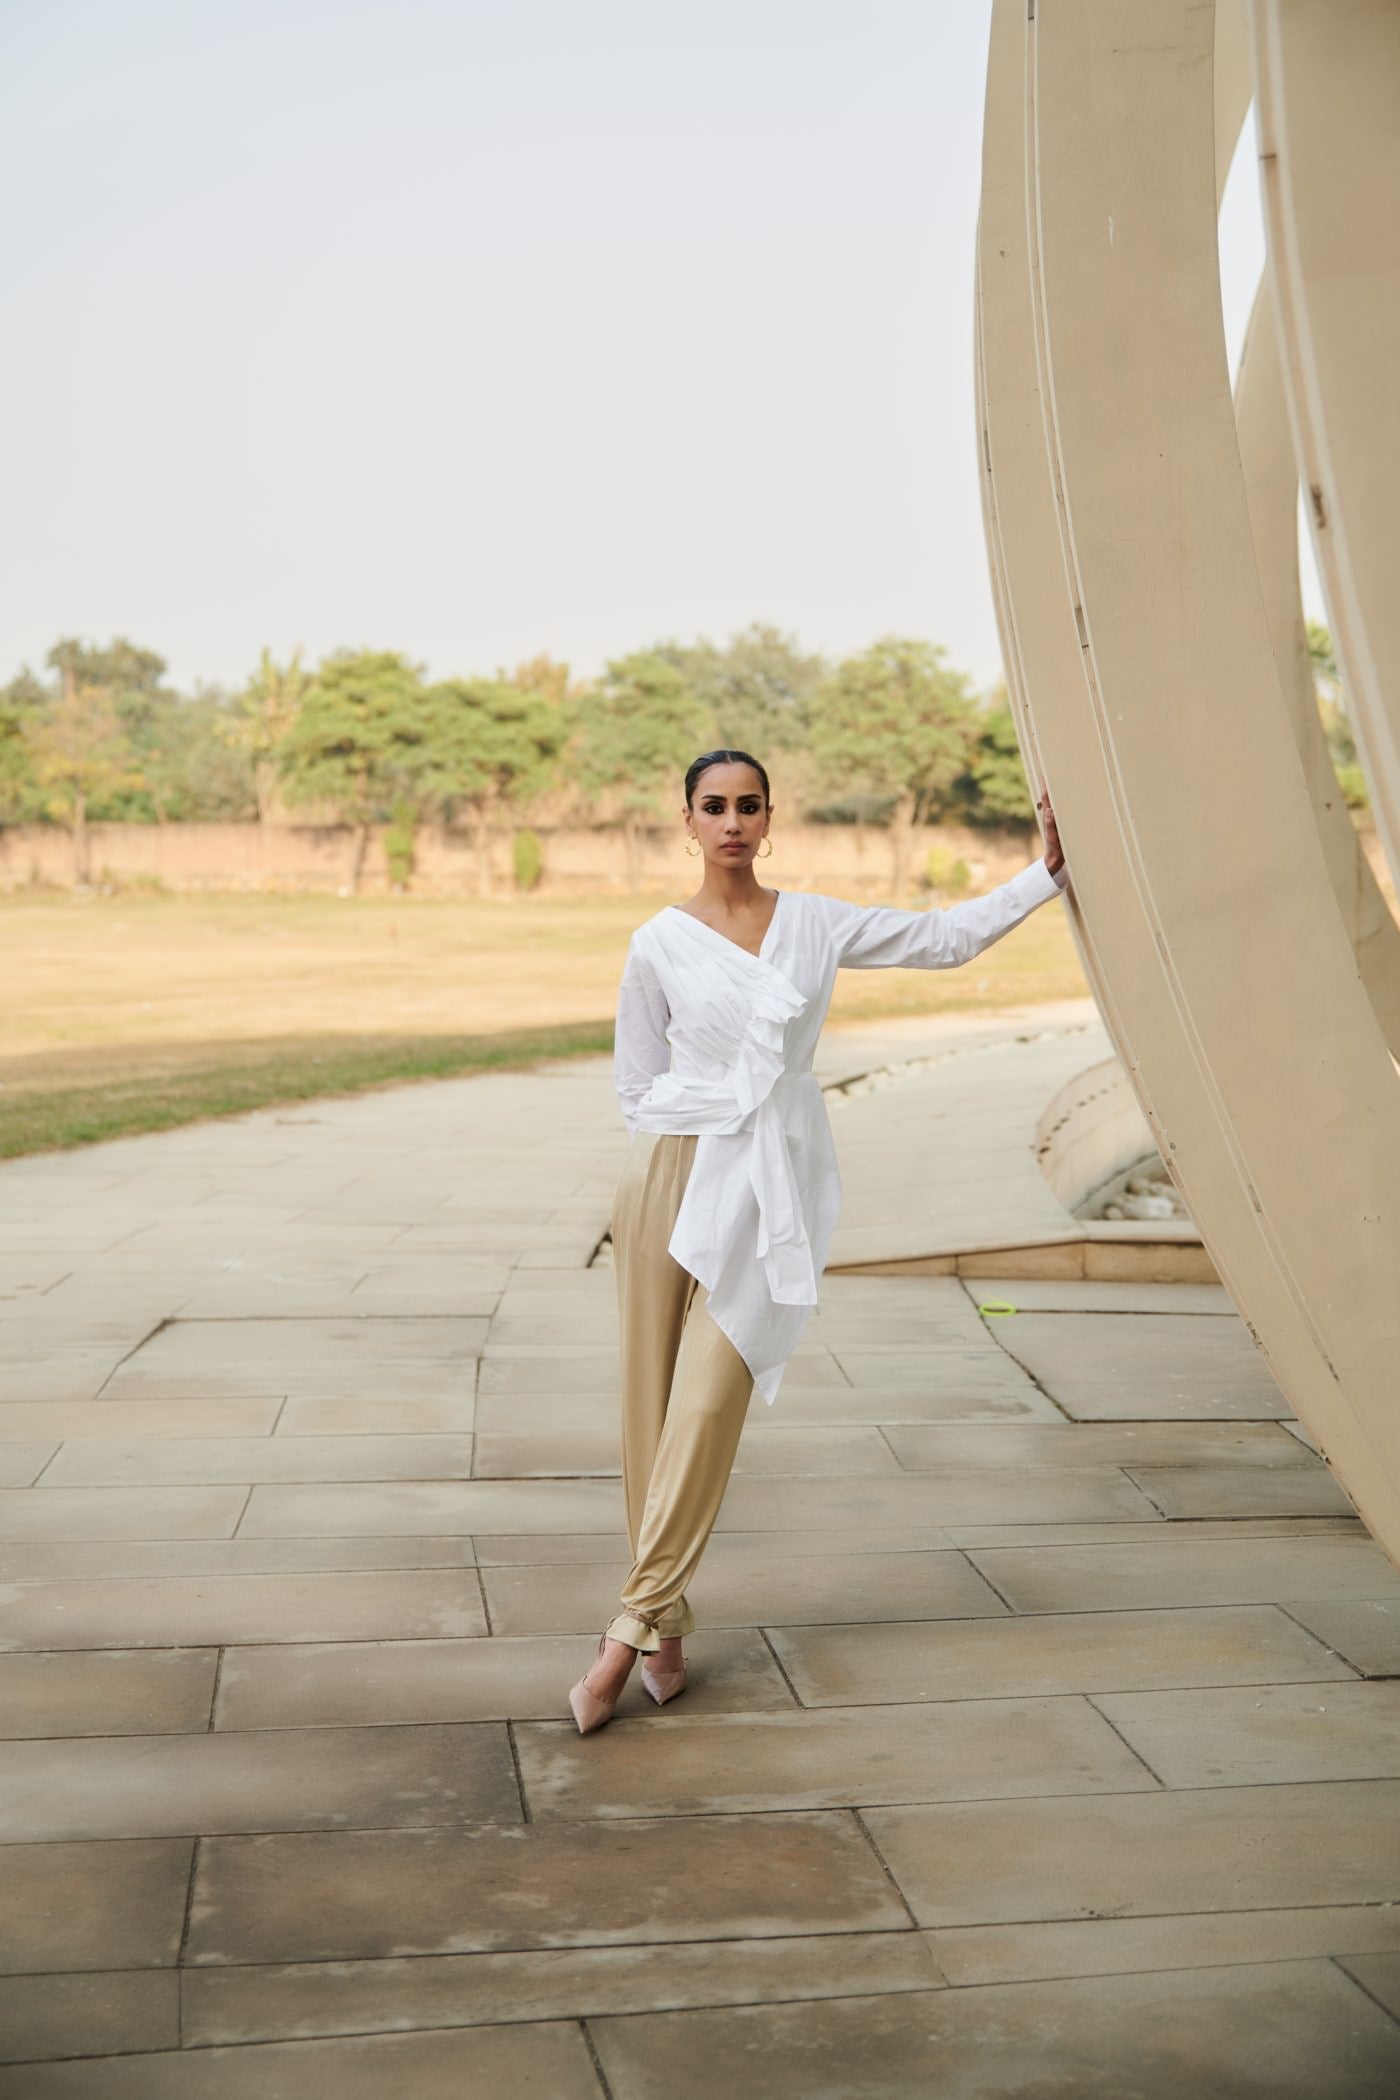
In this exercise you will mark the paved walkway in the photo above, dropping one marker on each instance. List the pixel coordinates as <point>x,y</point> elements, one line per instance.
<point>1039,1738</point>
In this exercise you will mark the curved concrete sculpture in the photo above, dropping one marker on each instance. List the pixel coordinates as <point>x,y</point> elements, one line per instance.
<point>1271,486</point>
<point>1143,653</point>
<point>1328,94</point>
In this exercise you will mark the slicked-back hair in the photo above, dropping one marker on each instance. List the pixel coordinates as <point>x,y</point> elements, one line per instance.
<point>707,759</point>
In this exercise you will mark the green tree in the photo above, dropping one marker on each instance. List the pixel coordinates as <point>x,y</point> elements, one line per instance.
<point>994,788</point>
<point>358,742</point>
<point>201,777</point>
<point>261,717</point>
<point>148,714</point>
<point>22,705</point>
<point>759,687</point>
<point>80,753</point>
<point>636,732</point>
<point>490,745</point>
<point>896,725</point>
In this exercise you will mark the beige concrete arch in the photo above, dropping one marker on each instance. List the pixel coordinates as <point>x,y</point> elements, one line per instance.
<point>1043,647</point>
<point>1328,91</point>
<point>1271,487</point>
<point>1253,1046</point>
<point>1040,644</point>
<point>1233,87</point>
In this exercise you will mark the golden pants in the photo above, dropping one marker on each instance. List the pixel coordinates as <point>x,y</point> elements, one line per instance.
<point>685,1393</point>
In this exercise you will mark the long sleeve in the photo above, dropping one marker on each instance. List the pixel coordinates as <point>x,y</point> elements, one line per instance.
<point>641,1047</point>
<point>874,937</point>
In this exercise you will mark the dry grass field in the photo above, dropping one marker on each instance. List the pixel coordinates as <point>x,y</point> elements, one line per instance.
<point>132,1012</point>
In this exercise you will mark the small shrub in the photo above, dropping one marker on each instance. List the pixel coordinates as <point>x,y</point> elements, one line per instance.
<point>946,872</point>
<point>1352,782</point>
<point>528,856</point>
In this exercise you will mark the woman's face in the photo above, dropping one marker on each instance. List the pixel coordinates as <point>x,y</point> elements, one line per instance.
<point>729,815</point>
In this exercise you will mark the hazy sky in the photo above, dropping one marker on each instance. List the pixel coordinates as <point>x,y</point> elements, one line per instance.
<point>481,327</point>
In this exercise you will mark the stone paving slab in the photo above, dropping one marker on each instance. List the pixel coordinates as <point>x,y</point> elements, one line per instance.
<point>1291,2030</point>
<point>1148,1450</point>
<point>978,1748</point>
<point>560,1548</point>
<point>1107,1946</point>
<point>1136,1855</point>
<point>347,1895</point>
<point>437,1508</point>
<point>1379,1975</point>
<point>763,1448</point>
<point>1245,1491</point>
<point>165,1611</point>
<point>108,1691</point>
<point>835,1404</point>
<point>195,1461</point>
<point>1156,1571</point>
<point>67,1419</point>
<point>372,1682</point>
<point>65,1907</point>
<point>22,1463</point>
<point>740,1591</point>
<point>1085,1295</point>
<point>121,1513</point>
<point>1006,1494</point>
<point>272,2001</point>
<point>1367,1633</point>
<point>388,1413</point>
<point>272,1779</point>
<point>71,1377</point>
<point>117,2013</point>
<point>984,1396</point>
<point>1088,1652</point>
<point>971,1373</point>
<point>548,2061</point>
<point>1199,1530</point>
<point>421,1379</point>
<point>76,1560</point>
<point>1153,1367</point>
<point>1263,1734</point>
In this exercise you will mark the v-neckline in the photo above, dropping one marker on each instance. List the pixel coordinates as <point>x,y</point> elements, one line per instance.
<point>753,954</point>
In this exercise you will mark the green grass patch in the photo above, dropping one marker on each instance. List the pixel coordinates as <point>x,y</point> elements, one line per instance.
<point>53,1101</point>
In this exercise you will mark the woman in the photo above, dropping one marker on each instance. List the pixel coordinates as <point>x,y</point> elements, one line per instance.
<point>730,1190</point>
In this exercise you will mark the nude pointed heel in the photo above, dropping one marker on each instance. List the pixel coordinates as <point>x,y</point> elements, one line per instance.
<point>588,1709</point>
<point>663,1684</point>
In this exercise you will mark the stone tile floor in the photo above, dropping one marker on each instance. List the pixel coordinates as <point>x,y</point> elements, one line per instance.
<point>1043,1735</point>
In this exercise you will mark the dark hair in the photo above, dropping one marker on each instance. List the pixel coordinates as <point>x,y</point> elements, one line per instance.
<point>721,758</point>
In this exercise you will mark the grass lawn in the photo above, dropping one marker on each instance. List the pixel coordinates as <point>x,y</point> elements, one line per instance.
<point>133,1013</point>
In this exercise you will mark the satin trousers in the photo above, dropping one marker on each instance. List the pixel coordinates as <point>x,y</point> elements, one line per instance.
<point>685,1394</point>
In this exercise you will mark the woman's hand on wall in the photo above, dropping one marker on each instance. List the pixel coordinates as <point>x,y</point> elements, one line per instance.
<point>1054,852</point>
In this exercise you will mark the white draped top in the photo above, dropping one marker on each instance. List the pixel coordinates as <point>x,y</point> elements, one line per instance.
<point>715,1042</point>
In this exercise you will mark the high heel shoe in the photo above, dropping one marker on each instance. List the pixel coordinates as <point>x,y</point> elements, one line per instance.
<point>589,1710</point>
<point>663,1684</point>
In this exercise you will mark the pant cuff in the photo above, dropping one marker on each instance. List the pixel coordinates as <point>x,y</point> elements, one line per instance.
<point>647,1636</point>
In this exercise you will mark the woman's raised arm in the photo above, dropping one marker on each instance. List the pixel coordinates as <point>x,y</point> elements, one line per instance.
<point>881,937</point>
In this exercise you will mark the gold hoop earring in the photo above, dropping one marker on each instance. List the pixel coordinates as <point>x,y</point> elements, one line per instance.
<point>695,843</point>
<point>761,855</point>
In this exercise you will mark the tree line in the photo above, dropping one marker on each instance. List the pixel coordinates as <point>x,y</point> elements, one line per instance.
<point>892,735</point>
